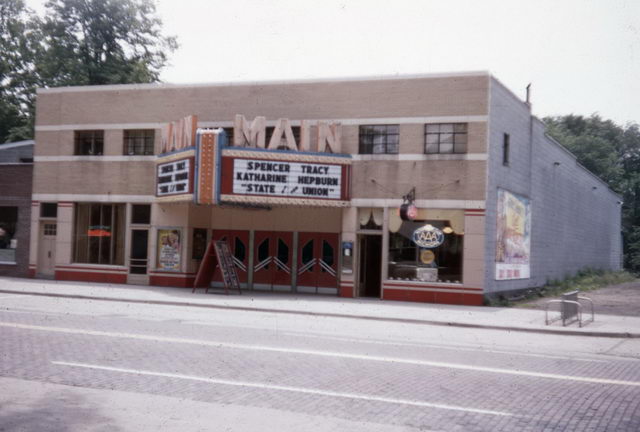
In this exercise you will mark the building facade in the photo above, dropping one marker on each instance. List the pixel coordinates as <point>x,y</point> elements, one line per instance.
<point>16,173</point>
<point>307,185</point>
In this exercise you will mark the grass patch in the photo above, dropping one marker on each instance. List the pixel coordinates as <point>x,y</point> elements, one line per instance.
<point>587,280</point>
<point>584,281</point>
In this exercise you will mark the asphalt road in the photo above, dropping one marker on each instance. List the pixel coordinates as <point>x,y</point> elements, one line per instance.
<point>79,365</point>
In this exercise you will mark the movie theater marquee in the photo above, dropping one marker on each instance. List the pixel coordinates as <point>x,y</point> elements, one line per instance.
<point>287,179</point>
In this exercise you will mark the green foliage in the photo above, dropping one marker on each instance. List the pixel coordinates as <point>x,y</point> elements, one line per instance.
<point>78,42</point>
<point>612,152</point>
<point>18,48</point>
<point>103,42</point>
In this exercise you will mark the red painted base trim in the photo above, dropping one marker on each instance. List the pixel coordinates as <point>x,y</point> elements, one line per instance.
<point>31,273</point>
<point>119,278</point>
<point>179,282</point>
<point>468,299</point>
<point>345,291</point>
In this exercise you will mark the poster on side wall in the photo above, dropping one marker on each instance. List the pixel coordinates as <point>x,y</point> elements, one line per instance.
<point>168,252</point>
<point>513,246</point>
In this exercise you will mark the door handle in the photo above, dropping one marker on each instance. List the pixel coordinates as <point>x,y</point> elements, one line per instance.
<point>49,253</point>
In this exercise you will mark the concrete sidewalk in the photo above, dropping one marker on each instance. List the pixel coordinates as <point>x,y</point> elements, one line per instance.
<point>512,319</point>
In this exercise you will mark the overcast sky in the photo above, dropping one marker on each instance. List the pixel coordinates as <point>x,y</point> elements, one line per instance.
<point>581,56</point>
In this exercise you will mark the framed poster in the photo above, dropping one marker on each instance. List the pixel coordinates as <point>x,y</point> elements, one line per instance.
<point>513,246</point>
<point>168,249</point>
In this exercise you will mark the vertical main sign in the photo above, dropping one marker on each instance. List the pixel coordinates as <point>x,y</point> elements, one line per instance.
<point>175,166</point>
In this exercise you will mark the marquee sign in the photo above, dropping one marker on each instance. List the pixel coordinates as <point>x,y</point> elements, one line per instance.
<point>286,179</point>
<point>174,177</point>
<point>269,177</point>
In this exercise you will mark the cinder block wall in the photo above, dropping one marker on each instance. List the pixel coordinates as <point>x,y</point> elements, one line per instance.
<point>575,217</point>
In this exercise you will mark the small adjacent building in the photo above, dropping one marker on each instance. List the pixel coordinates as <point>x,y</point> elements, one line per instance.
<point>433,188</point>
<point>16,172</point>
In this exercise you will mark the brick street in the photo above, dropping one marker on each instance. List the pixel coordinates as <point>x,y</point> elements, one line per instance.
<point>71,364</point>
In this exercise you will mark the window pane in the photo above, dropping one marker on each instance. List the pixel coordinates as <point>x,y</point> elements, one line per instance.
<point>8,227</point>
<point>446,148</point>
<point>379,139</point>
<point>460,148</point>
<point>442,263</point>
<point>448,128</point>
<point>141,214</point>
<point>432,138</point>
<point>379,149</point>
<point>446,138</point>
<point>263,252</point>
<point>99,234</point>
<point>49,210</point>
<point>307,254</point>
<point>199,246</point>
<point>460,127</point>
<point>240,251</point>
<point>366,130</point>
<point>327,253</point>
<point>393,129</point>
<point>282,253</point>
<point>431,148</point>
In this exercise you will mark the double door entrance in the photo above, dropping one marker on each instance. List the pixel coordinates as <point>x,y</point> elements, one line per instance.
<point>283,261</point>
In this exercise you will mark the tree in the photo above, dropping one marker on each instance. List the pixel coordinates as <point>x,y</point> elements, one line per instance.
<point>611,152</point>
<point>18,49</point>
<point>103,42</point>
<point>79,42</point>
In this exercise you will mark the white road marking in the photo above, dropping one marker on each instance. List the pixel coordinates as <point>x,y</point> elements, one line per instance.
<point>398,360</point>
<point>264,386</point>
<point>439,346</point>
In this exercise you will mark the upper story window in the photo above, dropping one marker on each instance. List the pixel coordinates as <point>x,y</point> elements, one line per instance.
<point>89,142</point>
<point>139,141</point>
<point>379,139</point>
<point>505,149</point>
<point>445,138</point>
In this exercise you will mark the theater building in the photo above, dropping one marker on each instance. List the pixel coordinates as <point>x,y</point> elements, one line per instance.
<point>432,188</point>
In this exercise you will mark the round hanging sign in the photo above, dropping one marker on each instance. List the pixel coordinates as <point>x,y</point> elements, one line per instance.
<point>408,212</point>
<point>427,256</point>
<point>428,236</point>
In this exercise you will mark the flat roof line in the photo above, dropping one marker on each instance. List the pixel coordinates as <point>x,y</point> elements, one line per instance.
<point>16,144</point>
<point>159,85</point>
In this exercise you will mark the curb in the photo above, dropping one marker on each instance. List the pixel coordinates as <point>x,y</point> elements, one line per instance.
<point>562,332</point>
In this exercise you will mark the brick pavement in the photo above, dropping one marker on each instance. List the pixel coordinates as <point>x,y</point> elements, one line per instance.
<point>27,354</point>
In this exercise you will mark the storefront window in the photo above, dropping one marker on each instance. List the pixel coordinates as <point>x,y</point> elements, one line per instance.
<point>8,242</point>
<point>428,250</point>
<point>99,234</point>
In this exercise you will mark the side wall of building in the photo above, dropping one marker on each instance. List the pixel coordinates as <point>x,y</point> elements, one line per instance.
<point>575,217</point>
<point>15,184</point>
